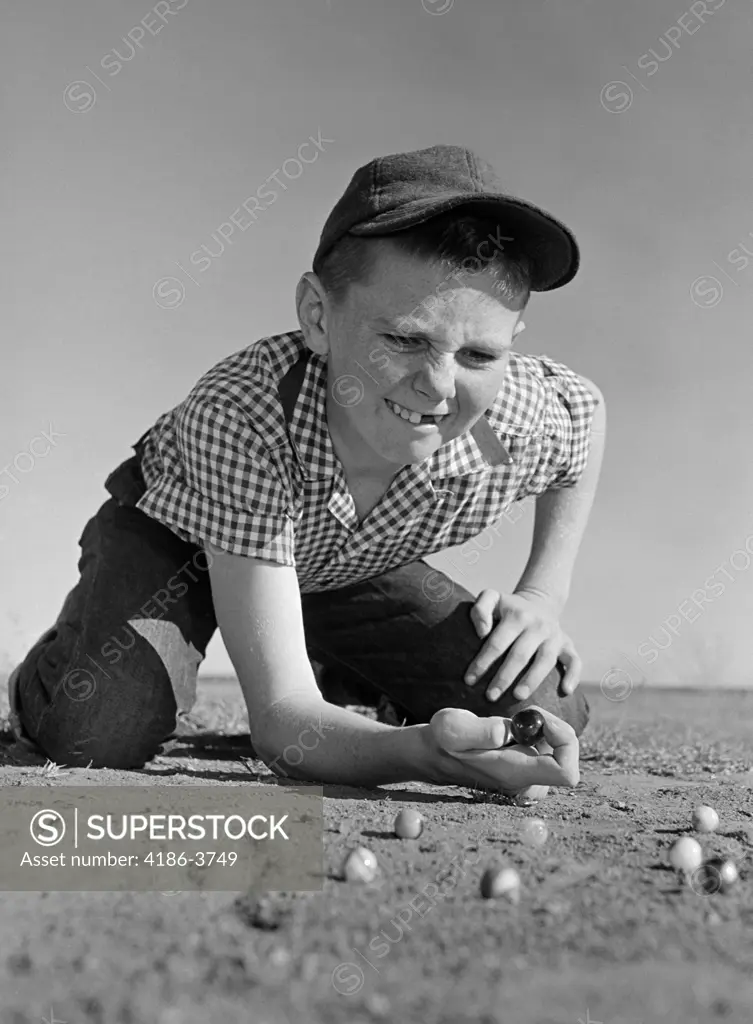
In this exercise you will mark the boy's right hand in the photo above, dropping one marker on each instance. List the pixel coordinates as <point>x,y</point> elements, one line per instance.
<point>465,750</point>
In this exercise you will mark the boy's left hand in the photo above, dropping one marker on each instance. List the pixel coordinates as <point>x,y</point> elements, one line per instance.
<point>524,627</point>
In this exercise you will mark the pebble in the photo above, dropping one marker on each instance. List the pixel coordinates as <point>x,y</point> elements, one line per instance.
<point>497,881</point>
<point>685,854</point>
<point>725,871</point>
<point>408,824</point>
<point>534,832</point>
<point>705,819</point>
<point>360,865</point>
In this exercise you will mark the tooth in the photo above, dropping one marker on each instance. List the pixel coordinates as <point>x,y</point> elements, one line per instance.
<point>406,414</point>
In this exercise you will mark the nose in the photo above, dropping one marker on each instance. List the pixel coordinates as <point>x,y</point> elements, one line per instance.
<point>436,379</point>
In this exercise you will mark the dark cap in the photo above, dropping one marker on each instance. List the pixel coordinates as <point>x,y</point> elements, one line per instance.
<point>392,193</point>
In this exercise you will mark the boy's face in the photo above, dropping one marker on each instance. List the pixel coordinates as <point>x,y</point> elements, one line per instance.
<point>418,335</point>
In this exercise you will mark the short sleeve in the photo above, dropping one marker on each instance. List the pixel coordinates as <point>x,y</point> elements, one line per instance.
<point>551,410</point>
<point>569,411</point>
<point>219,483</point>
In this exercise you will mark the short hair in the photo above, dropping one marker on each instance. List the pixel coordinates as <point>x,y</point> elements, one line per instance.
<point>453,241</point>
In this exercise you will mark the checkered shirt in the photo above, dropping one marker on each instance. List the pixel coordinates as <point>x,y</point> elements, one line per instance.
<point>223,467</point>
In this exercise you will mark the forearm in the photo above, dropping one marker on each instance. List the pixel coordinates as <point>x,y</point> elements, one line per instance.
<point>559,525</point>
<point>308,739</point>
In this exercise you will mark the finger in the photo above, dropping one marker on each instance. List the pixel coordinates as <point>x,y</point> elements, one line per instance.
<point>565,747</point>
<point>457,729</point>
<point>518,767</point>
<point>541,665</point>
<point>573,667</point>
<point>507,770</point>
<point>543,772</point>
<point>515,768</point>
<point>485,611</point>
<point>490,761</point>
<point>499,641</point>
<point>543,747</point>
<point>522,652</point>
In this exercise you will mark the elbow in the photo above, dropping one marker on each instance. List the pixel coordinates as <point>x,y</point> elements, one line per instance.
<point>284,759</point>
<point>286,736</point>
<point>268,747</point>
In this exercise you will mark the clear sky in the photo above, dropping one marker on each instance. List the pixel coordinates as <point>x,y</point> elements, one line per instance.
<point>116,170</point>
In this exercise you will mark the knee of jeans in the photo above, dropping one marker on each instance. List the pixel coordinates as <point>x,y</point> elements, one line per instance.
<point>70,744</point>
<point>573,709</point>
<point>85,725</point>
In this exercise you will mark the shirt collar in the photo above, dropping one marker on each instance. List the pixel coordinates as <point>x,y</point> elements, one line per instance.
<point>472,452</point>
<point>475,451</point>
<point>308,425</point>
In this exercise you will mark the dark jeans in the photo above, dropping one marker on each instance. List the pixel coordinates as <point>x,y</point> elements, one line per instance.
<point>105,683</point>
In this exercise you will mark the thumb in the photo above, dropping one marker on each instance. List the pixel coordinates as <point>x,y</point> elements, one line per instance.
<point>495,732</point>
<point>458,730</point>
<point>483,612</point>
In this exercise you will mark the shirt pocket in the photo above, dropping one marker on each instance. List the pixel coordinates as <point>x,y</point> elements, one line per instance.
<point>533,458</point>
<point>524,451</point>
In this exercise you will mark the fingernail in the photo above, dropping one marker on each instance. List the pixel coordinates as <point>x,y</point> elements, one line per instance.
<point>522,692</point>
<point>494,693</point>
<point>470,679</point>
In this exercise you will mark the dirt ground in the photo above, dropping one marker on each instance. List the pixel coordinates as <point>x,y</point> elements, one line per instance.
<point>604,932</point>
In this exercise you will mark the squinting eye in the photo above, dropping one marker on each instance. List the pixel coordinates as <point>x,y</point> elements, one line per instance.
<point>401,340</point>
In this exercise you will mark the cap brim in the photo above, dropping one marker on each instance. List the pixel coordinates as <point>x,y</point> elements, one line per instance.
<point>549,245</point>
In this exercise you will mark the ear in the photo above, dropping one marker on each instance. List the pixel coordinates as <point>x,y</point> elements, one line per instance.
<point>311,305</point>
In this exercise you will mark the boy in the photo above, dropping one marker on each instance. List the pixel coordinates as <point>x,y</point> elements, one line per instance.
<point>291,497</point>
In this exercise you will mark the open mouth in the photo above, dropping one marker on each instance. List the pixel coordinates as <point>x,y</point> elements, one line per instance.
<point>416,419</point>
